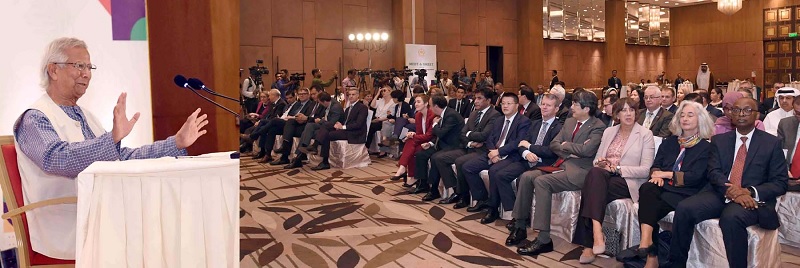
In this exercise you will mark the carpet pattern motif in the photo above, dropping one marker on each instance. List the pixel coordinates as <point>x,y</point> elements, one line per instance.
<point>360,218</point>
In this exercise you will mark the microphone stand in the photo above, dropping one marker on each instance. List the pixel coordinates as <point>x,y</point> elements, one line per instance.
<point>215,103</point>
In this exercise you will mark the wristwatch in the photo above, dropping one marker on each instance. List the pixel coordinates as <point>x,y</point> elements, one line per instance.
<point>617,170</point>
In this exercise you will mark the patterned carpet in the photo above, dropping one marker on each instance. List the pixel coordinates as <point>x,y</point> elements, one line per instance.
<point>360,218</point>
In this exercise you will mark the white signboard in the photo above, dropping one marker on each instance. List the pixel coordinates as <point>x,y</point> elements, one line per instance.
<point>421,57</point>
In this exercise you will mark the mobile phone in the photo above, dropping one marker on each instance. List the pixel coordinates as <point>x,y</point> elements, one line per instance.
<point>761,203</point>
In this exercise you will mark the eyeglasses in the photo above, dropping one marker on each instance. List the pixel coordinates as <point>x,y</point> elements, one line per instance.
<point>651,97</point>
<point>737,111</point>
<point>79,65</point>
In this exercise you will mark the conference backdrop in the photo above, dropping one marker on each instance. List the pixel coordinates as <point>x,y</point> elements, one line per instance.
<point>116,34</point>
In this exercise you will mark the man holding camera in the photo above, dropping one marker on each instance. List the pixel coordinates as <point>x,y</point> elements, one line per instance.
<point>318,79</point>
<point>420,79</point>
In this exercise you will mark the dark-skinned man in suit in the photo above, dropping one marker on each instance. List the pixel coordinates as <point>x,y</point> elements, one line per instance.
<point>746,167</point>
<point>475,132</point>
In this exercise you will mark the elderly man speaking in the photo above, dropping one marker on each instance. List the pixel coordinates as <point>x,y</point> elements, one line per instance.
<point>56,139</point>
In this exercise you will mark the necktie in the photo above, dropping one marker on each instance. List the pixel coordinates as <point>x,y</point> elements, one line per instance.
<point>314,111</point>
<point>347,117</point>
<point>522,111</point>
<point>542,132</point>
<point>327,110</point>
<point>738,164</point>
<point>648,120</point>
<point>503,134</point>
<point>295,108</point>
<point>480,114</point>
<point>458,106</point>
<point>795,168</point>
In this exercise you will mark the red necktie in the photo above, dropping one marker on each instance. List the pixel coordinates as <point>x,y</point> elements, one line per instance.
<point>795,168</point>
<point>738,164</point>
<point>561,160</point>
<point>522,110</point>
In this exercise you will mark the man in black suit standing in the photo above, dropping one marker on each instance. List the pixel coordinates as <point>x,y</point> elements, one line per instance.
<point>352,126</point>
<point>460,104</point>
<point>475,132</point>
<point>554,80</point>
<point>502,143</point>
<point>446,127</point>
<point>527,107</point>
<point>614,81</point>
<point>536,154</point>
<point>747,170</point>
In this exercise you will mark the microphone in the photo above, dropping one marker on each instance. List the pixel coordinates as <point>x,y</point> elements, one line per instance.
<point>181,81</point>
<point>198,85</point>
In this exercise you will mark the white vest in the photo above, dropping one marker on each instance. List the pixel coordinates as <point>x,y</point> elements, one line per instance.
<point>52,228</point>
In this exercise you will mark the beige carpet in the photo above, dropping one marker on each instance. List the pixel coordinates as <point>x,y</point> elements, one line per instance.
<point>359,218</point>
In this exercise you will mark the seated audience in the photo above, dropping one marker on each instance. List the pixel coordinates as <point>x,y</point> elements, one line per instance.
<point>413,140</point>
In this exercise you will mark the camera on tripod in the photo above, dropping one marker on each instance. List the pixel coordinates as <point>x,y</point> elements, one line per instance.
<point>473,75</point>
<point>297,77</point>
<point>438,75</point>
<point>257,71</point>
<point>421,73</point>
<point>364,72</point>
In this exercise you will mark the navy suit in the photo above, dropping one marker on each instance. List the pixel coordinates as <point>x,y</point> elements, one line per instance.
<point>499,176</point>
<point>764,169</point>
<point>714,111</point>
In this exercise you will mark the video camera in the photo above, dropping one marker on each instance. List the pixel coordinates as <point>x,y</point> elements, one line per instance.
<point>421,73</point>
<point>298,77</point>
<point>257,71</point>
<point>473,75</point>
<point>364,72</point>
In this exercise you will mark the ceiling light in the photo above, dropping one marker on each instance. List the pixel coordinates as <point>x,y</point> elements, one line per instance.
<point>351,37</point>
<point>360,36</point>
<point>368,36</point>
<point>384,36</point>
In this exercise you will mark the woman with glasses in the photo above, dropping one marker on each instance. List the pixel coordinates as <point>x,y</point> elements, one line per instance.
<point>679,171</point>
<point>724,124</point>
<point>622,163</point>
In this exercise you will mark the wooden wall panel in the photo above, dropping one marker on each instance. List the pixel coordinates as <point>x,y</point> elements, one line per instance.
<point>287,18</point>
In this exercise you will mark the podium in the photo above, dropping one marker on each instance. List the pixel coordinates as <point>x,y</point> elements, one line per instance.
<point>164,212</point>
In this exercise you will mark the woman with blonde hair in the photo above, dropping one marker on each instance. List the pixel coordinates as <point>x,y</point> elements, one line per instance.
<point>679,171</point>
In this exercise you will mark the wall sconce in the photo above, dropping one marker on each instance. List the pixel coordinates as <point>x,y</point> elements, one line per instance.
<point>370,41</point>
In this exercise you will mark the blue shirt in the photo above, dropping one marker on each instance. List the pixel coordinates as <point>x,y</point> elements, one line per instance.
<point>38,140</point>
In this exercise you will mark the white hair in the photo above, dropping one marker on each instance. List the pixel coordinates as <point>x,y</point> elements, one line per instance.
<point>705,126</point>
<point>558,91</point>
<point>56,52</point>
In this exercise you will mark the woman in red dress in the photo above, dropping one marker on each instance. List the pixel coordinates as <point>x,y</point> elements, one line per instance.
<point>423,121</point>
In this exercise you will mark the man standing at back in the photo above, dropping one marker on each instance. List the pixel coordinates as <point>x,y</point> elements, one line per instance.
<point>614,81</point>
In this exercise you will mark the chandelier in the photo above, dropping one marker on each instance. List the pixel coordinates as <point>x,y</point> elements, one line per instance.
<point>729,6</point>
<point>369,41</point>
<point>654,18</point>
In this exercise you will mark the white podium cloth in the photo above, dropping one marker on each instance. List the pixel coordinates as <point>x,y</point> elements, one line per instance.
<point>163,212</point>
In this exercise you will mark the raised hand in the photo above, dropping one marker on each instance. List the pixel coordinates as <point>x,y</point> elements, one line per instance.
<point>191,130</point>
<point>122,126</point>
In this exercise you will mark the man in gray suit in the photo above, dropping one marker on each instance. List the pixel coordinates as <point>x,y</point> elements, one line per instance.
<point>653,116</point>
<point>576,146</point>
<point>787,132</point>
<point>333,111</point>
<point>479,124</point>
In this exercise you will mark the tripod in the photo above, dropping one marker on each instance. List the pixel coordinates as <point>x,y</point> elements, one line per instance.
<point>362,84</point>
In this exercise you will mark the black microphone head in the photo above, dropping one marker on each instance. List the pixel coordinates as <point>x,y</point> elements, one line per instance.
<point>196,83</point>
<point>180,80</point>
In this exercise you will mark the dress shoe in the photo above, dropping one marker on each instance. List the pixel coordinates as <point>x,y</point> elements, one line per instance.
<point>511,225</point>
<point>403,176</point>
<point>462,203</point>
<point>259,155</point>
<point>266,159</point>
<point>321,166</point>
<point>421,188</point>
<point>491,216</point>
<point>415,184</point>
<point>451,199</point>
<point>644,252</point>
<point>517,235</point>
<point>296,163</point>
<point>383,155</point>
<point>312,150</point>
<point>431,196</point>
<point>535,248</point>
<point>280,161</point>
<point>480,205</point>
<point>246,138</point>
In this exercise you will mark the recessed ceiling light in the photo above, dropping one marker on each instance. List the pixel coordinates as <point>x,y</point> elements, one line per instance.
<point>666,2</point>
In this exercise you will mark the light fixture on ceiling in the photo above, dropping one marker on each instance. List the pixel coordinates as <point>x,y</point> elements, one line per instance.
<point>369,41</point>
<point>728,7</point>
<point>655,19</point>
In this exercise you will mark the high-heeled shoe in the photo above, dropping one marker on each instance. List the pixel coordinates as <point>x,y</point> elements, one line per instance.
<point>404,176</point>
<point>411,185</point>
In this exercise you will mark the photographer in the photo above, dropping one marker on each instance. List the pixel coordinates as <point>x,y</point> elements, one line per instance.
<point>318,79</point>
<point>350,80</point>
<point>464,80</point>
<point>249,91</point>
<point>489,78</point>
<point>420,79</point>
<point>446,82</point>
<point>482,82</point>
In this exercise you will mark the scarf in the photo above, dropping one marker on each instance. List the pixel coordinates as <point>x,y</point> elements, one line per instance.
<point>689,142</point>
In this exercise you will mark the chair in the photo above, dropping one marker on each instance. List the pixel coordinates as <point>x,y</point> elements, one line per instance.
<point>11,184</point>
<point>344,155</point>
<point>505,213</point>
<point>564,213</point>
<point>788,208</point>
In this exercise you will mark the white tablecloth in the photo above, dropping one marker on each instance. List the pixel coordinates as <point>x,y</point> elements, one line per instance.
<point>163,212</point>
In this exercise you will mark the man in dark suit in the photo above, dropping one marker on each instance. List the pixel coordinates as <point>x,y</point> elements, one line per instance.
<point>475,132</point>
<point>787,132</point>
<point>605,115</point>
<point>265,142</point>
<point>711,110</point>
<point>668,99</point>
<point>554,80</point>
<point>653,116</point>
<point>502,143</point>
<point>293,126</point>
<point>352,127</point>
<point>576,145</point>
<point>276,107</point>
<point>746,167</point>
<point>460,104</point>
<point>527,107</point>
<point>331,111</point>
<point>447,126</point>
<point>614,81</point>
